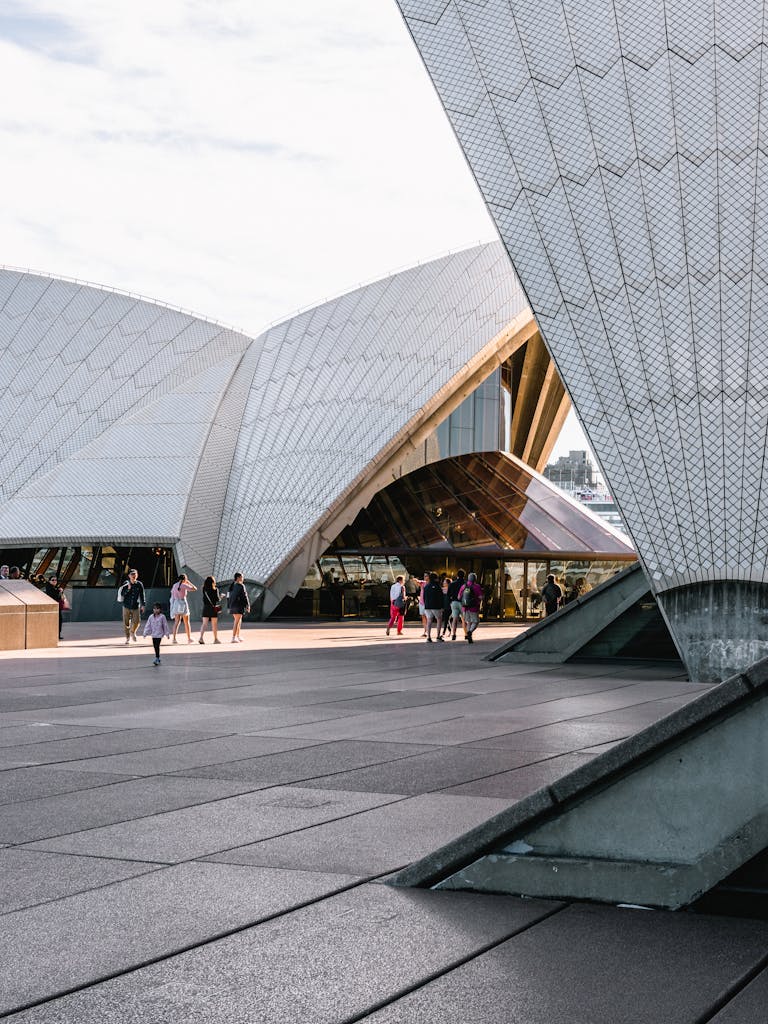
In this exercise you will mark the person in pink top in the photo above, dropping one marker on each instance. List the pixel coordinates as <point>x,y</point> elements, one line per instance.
<point>470,599</point>
<point>156,627</point>
<point>179,605</point>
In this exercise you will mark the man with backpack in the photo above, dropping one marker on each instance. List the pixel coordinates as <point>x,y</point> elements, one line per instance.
<point>131,596</point>
<point>470,598</point>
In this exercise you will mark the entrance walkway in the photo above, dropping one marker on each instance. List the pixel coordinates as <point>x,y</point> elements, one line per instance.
<point>207,841</point>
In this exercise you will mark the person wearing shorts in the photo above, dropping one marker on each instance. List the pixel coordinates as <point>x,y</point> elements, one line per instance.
<point>180,606</point>
<point>211,609</point>
<point>471,611</point>
<point>433,606</point>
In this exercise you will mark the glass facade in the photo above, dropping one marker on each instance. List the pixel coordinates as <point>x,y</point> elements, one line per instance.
<point>94,565</point>
<point>484,513</point>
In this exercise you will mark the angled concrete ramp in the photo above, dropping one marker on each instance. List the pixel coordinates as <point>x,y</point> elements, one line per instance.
<point>620,618</point>
<point>657,820</point>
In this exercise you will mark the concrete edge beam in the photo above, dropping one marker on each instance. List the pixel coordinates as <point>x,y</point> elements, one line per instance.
<point>556,638</point>
<point>697,716</point>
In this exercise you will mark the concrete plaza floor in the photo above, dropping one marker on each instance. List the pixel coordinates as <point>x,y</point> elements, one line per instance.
<point>208,841</point>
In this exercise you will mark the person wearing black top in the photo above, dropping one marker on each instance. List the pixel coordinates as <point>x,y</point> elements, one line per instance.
<point>552,595</point>
<point>133,600</point>
<point>238,605</point>
<point>433,606</point>
<point>211,609</point>
<point>54,591</point>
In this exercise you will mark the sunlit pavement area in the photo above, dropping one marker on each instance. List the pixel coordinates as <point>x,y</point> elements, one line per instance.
<point>208,840</point>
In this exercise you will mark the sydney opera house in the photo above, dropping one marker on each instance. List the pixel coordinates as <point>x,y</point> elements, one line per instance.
<point>400,427</point>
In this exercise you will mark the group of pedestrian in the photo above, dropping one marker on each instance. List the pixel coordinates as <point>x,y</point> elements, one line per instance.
<point>444,603</point>
<point>555,594</point>
<point>132,596</point>
<point>48,584</point>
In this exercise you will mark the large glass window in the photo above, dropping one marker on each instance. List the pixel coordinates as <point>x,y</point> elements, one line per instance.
<point>514,590</point>
<point>94,565</point>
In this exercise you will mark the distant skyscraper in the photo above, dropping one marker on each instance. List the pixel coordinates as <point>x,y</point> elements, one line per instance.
<point>572,471</point>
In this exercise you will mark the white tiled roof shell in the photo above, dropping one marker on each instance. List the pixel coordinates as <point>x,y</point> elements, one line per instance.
<point>621,148</point>
<point>127,421</point>
<point>106,405</point>
<point>334,385</point>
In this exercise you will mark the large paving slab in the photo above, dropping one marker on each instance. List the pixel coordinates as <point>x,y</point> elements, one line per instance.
<point>219,751</point>
<point>425,773</point>
<point>593,965</point>
<point>521,782</point>
<point>313,760</point>
<point>122,801</point>
<point>560,738</point>
<point>33,876</point>
<point>215,826</point>
<point>175,714</point>
<point>318,710</point>
<point>30,733</point>
<point>82,938</point>
<point>373,842</point>
<point>19,784</point>
<point>98,744</point>
<point>326,963</point>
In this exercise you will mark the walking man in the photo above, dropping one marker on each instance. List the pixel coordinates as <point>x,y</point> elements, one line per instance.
<point>134,600</point>
<point>433,606</point>
<point>396,605</point>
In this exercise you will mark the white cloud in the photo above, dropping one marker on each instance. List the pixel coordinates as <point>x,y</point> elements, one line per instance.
<point>238,159</point>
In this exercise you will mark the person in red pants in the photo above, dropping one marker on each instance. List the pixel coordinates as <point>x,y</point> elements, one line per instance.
<point>396,606</point>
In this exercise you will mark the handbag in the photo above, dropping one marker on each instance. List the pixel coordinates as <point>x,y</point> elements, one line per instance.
<point>64,604</point>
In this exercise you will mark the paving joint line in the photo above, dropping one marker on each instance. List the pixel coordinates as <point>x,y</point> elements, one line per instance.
<point>190,947</point>
<point>435,975</point>
<point>734,990</point>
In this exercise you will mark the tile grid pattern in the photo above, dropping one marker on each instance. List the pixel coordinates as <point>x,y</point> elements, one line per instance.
<point>116,410</point>
<point>619,148</point>
<point>334,385</point>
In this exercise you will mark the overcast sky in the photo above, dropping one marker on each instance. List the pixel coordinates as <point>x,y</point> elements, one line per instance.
<point>240,159</point>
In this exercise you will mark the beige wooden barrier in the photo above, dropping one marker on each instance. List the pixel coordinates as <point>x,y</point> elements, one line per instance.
<point>28,617</point>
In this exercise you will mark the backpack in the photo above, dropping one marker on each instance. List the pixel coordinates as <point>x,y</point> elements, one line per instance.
<point>468,598</point>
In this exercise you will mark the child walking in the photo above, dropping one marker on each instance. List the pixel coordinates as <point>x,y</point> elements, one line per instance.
<point>157,628</point>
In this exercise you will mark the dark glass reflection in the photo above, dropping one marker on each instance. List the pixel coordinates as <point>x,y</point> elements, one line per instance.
<point>94,565</point>
<point>486,514</point>
<point>486,502</point>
